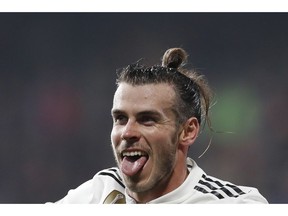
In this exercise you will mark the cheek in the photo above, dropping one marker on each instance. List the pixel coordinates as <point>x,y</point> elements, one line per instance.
<point>115,136</point>
<point>165,142</point>
<point>161,141</point>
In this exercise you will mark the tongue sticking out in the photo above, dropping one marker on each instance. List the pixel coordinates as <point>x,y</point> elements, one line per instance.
<point>131,167</point>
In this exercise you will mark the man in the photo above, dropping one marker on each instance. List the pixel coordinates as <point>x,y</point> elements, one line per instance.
<point>157,114</point>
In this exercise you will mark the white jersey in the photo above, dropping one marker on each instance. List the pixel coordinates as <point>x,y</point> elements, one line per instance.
<point>107,186</point>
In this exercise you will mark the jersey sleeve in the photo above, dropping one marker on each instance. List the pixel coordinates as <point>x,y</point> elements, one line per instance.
<point>82,194</point>
<point>252,196</point>
<point>105,187</point>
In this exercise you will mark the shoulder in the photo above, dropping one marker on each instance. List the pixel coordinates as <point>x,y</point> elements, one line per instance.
<point>110,175</point>
<point>221,191</point>
<point>210,189</point>
<point>96,189</point>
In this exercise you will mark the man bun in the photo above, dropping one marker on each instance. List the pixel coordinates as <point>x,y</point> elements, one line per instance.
<point>174,58</point>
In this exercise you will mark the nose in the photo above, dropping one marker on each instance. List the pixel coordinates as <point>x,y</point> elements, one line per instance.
<point>131,132</point>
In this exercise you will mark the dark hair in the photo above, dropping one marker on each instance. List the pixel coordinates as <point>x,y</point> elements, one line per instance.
<point>192,90</point>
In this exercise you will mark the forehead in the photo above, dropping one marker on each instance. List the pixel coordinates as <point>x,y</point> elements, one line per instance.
<point>149,95</point>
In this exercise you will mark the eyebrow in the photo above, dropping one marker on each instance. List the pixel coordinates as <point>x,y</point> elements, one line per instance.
<point>145,112</point>
<point>149,112</point>
<point>116,112</point>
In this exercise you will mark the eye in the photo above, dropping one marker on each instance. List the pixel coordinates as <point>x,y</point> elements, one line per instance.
<point>147,120</point>
<point>120,119</point>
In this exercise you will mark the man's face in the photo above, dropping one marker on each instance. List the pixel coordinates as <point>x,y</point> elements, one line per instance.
<point>144,135</point>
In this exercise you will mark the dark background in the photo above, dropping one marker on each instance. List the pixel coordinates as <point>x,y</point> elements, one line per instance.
<point>57,79</point>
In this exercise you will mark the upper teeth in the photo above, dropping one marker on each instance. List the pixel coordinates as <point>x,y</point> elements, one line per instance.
<point>134,153</point>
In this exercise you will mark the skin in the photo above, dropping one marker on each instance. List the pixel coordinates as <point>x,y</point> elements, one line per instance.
<point>144,119</point>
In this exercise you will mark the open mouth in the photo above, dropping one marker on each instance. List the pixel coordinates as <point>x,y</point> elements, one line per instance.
<point>133,156</point>
<point>133,162</point>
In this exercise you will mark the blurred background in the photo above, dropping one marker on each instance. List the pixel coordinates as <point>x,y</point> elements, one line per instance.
<point>57,79</point>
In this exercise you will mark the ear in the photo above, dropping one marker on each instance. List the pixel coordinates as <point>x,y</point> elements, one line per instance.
<point>189,132</point>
